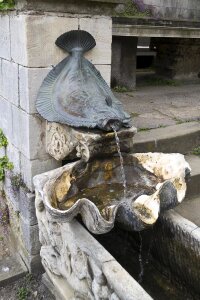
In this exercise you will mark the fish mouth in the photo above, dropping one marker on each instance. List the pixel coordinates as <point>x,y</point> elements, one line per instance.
<point>110,124</point>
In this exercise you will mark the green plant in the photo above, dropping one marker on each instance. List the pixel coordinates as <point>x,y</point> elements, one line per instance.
<point>5,164</point>
<point>22,293</point>
<point>7,4</point>
<point>120,89</point>
<point>3,139</point>
<point>143,129</point>
<point>196,151</point>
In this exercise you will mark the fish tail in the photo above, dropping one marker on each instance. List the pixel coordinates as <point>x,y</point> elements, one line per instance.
<point>76,39</point>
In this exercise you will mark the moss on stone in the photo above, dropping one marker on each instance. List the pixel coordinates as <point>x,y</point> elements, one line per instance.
<point>131,10</point>
<point>7,4</point>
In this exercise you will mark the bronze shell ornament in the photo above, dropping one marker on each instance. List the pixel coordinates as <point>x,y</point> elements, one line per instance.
<point>75,93</point>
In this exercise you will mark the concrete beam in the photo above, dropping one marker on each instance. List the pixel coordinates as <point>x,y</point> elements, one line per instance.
<point>155,31</point>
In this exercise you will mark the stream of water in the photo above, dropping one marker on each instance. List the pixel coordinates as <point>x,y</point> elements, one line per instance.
<point>121,161</point>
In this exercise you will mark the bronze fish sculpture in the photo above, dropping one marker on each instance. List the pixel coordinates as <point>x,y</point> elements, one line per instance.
<point>74,92</point>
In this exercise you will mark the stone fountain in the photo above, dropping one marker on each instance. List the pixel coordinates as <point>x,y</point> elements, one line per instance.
<point>88,128</point>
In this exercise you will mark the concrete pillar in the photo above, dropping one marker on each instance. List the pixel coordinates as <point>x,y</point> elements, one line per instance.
<point>177,58</point>
<point>123,67</point>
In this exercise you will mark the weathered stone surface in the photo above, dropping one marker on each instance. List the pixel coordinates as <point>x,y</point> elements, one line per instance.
<point>13,154</point>
<point>30,168</point>
<point>124,62</point>
<point>170,139</point>
<point>30,234</point>
<point>9,81</point>
<point>179,250</point>
<point>193,187</point>
<point>63,141</point>
<point>12,194</point>
<point>6,117</point>
<point>30,80</point>
<point>27,206</point>
<point>31,49</point>
<point>101,30</point>
<point>4,37</point>
<point>31,140</point>
<point>105,71</point>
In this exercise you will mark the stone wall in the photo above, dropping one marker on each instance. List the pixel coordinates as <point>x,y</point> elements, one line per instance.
<point>27,53</point>
<point>177,58</point>
<point>171,9</point>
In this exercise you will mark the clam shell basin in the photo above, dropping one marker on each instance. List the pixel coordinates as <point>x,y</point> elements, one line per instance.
<point>155,183</point>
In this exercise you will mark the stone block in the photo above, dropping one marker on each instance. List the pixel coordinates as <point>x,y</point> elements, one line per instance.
<point>31,49</point>
<point>14,156</point>
<point>12,194</point>
<point>30,80</point>
<point>4,37</point>
<point>27,206</point>
<point>101,29</point>
<point>6,117</point>
<point>31,140</point>
<point>105,71</point>
<point>30,235</point>
<point>9,81</point>
<point>30,168</point>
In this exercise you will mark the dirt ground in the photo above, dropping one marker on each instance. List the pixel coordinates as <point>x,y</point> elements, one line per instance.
<point>27,288</point>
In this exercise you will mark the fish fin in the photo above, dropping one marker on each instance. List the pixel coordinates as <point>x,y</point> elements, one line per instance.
<point>76,39</point>
<point>44,103</point>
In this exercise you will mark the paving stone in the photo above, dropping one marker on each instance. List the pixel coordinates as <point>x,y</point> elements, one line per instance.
<point>27,206</point>
<point>11,270</point>
<point>9,81</point>
<point>30,80</point>
<point>169,139</point>
<point>101,29</point>
<point>31,49</point>
<point>30,235</point>
<point>4,37</point>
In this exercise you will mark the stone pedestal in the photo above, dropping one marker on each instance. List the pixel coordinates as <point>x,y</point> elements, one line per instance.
<point>123,73</point>
<point>27,53</point>
<point>63,142</point>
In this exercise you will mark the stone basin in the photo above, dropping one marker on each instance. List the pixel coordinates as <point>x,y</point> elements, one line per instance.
<point>155,183</point>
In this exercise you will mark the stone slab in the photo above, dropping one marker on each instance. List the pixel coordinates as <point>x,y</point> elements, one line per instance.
<point>177,247</point>
<point>9,81</point>
<point>101,29</point>
<point>193,187</point>
<point>31,140</point>
<point>181,138</point>
<point>190,209</point>
<point>6,117</point>
<point>11,270</point>
<point>13,154</point>
<point>28,48</point>
<point>27,206</point>
<point>30,80</point>
<point>30,234</point>
<point>30,168</point>
<point>4,37</point>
